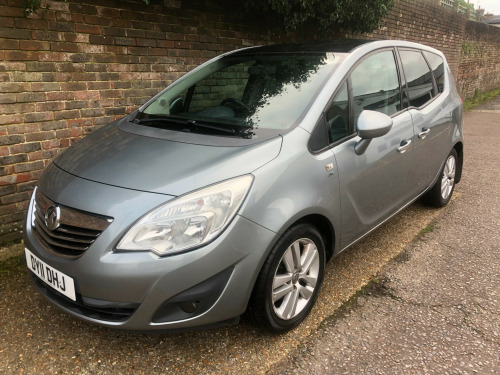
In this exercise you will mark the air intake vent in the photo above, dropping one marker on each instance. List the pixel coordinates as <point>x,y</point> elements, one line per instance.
<point>63,230</point>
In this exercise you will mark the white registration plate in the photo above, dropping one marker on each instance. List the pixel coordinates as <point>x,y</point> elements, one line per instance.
<point>52,277</point>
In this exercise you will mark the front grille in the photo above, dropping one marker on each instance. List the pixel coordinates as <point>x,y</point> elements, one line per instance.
<point>118,313</point>
<point>74,232</point>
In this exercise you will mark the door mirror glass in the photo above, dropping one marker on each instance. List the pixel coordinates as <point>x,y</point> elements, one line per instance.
<point>176,106</point>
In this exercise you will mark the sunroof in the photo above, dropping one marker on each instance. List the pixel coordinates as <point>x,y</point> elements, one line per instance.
<point>339,45</point>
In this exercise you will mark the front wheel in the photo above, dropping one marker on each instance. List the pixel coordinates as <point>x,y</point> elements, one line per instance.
<point>289,281</point>
<point>440,194</point>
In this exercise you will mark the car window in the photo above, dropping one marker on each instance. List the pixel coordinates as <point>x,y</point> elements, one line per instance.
<point>245,94</point>
<point>375,85</point>
<point>418,78</point>
<point>216,88</point>
<point>337,116</point>
<point>437,66</point>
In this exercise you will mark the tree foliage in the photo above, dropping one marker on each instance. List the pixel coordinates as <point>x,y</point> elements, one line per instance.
<point>466,4</point>
<point>356,16</point>
<point>31,6</point>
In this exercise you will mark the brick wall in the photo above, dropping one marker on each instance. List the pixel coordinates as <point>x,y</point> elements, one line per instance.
<point>78,65</point>
<point>75,67</point>
<point>427,23</point>
<point>471,48</point>
<point>479,68</point>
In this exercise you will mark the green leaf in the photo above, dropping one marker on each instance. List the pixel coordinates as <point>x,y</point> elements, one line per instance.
<point>356,16</point>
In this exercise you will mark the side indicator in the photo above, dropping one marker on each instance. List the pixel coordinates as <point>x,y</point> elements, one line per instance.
<point>329,168</point>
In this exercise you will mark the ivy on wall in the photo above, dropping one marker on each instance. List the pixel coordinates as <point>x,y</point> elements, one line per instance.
<point>356,16</point>
<point>31,6</point>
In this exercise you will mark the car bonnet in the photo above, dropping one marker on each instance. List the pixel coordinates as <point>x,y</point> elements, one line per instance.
<point>118,158</point>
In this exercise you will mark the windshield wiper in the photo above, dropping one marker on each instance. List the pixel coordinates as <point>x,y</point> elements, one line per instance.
<point>159,119</point>
<point>205,125</point>
<point>176,120</point>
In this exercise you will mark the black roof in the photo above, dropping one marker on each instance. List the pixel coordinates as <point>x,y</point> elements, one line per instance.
<point>339,45</point>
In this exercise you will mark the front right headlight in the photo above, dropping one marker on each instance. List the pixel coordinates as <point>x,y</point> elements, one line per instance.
<point>188,221</point>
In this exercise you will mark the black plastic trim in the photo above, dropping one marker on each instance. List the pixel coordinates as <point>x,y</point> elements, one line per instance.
<point>87,307</point>
<point>203,296</point>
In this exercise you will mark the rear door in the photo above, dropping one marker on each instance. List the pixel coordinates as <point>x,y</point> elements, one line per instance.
<point>375,184</point>
<point>432,119</point>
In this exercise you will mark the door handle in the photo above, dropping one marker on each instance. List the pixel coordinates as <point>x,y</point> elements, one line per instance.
<point>423,133</point>
<point>405,145</point>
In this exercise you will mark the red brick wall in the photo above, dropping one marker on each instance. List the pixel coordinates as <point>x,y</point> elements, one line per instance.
<point>424,22</point>
<point>78,65</point>
<point>74,67</point>
<point>471,48</point>
<point>479,68</point>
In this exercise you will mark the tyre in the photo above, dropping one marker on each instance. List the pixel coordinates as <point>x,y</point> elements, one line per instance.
<point>289,281</point>
<point>440,194</point>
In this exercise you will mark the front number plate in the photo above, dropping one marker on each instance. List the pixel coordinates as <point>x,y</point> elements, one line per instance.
<point>52,277</point>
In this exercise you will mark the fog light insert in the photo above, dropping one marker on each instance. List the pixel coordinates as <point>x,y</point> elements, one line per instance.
<point>193,301</point>
<point>188,307</point>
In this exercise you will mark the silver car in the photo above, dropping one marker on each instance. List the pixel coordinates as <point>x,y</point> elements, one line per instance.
<point>228,191</point>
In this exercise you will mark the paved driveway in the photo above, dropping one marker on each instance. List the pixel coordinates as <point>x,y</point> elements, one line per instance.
<point>435,309</point>
<point>438,311</point>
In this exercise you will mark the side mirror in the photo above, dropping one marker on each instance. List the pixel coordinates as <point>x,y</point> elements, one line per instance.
<point>176,106</point>
<point>371,124</point>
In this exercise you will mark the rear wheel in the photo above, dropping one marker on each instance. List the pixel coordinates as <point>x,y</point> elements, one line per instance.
<point>288,284</point>
<point>441,192</point>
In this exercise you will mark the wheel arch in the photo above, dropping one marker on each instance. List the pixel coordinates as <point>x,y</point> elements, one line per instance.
<point>459,148</point>
<point>324,226</point>
<point>259,307</point>
<point>321,222</point>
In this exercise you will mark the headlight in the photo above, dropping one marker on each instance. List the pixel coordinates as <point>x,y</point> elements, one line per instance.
<point>188,221</point>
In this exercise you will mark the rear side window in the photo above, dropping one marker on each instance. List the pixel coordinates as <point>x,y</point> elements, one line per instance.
<point>437,66</point>
<point>418,78</point>
<point>375,85</point>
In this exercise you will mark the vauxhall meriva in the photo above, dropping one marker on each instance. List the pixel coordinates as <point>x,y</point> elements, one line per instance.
<point>229,190</point>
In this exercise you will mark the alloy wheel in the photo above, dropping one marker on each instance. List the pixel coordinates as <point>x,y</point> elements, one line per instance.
<point>448,178</point>
<point>295,278</point>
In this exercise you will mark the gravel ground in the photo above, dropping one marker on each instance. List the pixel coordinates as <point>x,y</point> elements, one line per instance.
<point>436,309</point>
<point>37,338</point>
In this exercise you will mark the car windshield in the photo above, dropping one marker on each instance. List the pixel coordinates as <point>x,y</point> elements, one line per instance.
<point>242,95</point>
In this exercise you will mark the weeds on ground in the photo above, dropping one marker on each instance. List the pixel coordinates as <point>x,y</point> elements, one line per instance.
<point>12,265</point>
<point>429,228</point>
<point>480,98</point>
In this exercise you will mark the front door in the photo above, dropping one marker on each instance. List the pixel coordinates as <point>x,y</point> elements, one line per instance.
<point>375,184</point>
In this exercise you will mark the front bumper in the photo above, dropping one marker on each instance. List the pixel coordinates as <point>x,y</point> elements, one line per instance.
<point>141,291</point>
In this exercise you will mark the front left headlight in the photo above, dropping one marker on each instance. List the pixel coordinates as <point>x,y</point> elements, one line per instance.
<point>188,221</point>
